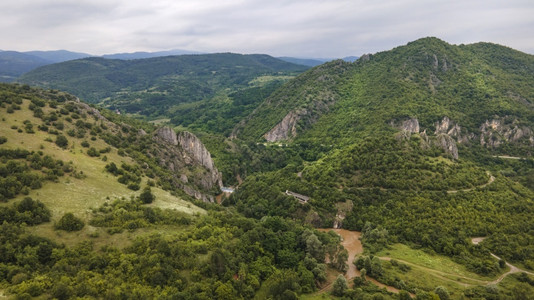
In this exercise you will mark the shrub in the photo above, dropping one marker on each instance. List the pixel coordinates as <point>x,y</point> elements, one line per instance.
<point>69,222</point>
<point>147,196</point>
<point>62,141</point>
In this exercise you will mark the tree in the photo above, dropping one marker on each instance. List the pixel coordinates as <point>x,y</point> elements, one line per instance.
<point>69,222</point>
<point>62,141</point>
<point>147,196</point>
<point>340,286</point>
<point>442,292</point>
<point>314,247</point>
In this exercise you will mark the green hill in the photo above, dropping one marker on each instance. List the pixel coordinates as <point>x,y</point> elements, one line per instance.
<point>425,149</point>
<point>162,86</point>
<point>430,141</point>
<point>14,64</point>
<point>96,205</point>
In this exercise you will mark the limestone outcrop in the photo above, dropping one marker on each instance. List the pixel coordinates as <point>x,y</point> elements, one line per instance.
<point>187,157</point>
<point>496,131</point>
<point>448,134</point>
<point>286,129</point>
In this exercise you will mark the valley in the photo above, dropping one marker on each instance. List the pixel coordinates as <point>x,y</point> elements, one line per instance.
<point>219,176</point>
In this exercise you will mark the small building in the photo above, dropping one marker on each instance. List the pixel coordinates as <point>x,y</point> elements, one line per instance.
<point>302,199</point>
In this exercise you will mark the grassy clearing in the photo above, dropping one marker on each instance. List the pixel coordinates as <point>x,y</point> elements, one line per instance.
<point>431,261</point>
<point>160,121</point>
<point>427,271</point>
<point>262,80</point>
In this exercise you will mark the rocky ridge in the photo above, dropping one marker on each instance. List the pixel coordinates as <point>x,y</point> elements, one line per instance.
<point>493,133</point>
<point>187,157</point>
<point>183,154</point>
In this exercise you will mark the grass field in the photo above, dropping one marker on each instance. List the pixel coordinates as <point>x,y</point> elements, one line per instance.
<point>427,271</point>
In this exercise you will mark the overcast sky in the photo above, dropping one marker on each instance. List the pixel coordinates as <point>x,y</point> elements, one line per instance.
<point>301,28</point>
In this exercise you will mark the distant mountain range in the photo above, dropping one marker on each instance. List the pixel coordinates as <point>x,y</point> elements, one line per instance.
<point>15,63</point>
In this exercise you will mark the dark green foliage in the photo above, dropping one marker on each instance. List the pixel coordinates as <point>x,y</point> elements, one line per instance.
<point>220,255</point>
<point>62,141</point>
<point>131,215</point>
<point>176,79</point>
<point>3,139</point>
<point>29,211</point>
<point>20,169</point>
<point>69,222</point>
<point>93,152</point>
<point>147,196</point>
<point>442,293</point>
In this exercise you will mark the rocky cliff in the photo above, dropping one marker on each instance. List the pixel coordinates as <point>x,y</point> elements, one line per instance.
<point>304,117</point>
<point>492,134</point>
<point>191,162</point>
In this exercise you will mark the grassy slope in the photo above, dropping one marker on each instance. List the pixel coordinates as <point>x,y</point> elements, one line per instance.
<point>75,195</point>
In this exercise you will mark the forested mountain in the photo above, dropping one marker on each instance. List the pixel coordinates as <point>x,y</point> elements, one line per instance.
<point>171,86</point>
<point>55,56</point>
<point>13,63</point>
<point>429,141</point>
<point>140,55</point>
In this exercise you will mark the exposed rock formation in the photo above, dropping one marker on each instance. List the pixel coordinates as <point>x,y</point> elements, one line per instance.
<point>304,117</point>
<point>188,158</point>
<point>285,129</point>
<point>447,134</point>
<point>447,143</point>
<point>411,125</point>
<point>499,130</point>
<point>444,132</point>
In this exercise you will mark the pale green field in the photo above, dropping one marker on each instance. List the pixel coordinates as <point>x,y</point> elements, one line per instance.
<point>262,80</point>
<point>435,262</point>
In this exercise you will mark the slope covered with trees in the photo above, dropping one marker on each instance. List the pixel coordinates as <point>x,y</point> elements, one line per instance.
<point>164,87</point>
<point>415,141</point>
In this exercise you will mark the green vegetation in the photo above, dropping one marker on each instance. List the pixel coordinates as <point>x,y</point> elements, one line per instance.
<point>420,148</point>
<point>69,222</point>
<point>210,92</point>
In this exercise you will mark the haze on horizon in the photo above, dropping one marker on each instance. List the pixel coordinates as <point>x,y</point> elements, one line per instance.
<point>300,28</point>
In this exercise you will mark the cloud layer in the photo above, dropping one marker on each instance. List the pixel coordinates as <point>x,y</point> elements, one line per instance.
<point>303,28</point>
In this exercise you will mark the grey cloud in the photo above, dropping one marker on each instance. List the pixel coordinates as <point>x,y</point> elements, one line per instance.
<point>313,28</point>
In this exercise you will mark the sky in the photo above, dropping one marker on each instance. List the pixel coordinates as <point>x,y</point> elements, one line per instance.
<point>299,28</point>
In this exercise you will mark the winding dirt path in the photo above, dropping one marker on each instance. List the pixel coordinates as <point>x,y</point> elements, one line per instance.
<point>490,181</point>
<point>513,269</point>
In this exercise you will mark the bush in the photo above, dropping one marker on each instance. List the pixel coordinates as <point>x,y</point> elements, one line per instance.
<point>3,139</point>
<point>93,152</point>
<point>69,222</point>
<point>147,196</point>
<point>62,141</point>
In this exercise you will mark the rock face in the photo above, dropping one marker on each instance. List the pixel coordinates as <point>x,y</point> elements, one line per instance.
<point>191,162</point>
<point>495,132</point>
<point>411,125</point>
<point>304,117</point>
<point>285,129</point>
<point>447,143</point>
<point>448,134</point>
<point>192,145</point>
